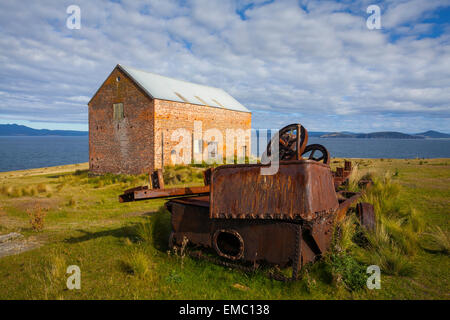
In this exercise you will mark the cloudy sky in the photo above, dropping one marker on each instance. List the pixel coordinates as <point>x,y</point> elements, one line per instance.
<point>313,62</point>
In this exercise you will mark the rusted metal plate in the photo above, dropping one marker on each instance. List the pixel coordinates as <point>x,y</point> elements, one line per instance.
<point>200,201</point>
<point>283,219</point>
<point>157,179</point>
<point>366,214</point>
<point>162,193</point>
<point>145,193</point>
<point>347,200</point>
<point>207,176</point>
<point>300,189</point>
<point>250,240</point>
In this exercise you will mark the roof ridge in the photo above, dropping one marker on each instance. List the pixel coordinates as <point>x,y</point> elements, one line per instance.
<point>167,88</point>
<point>167,77</point>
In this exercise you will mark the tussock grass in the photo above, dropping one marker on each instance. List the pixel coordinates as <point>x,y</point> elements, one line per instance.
<point>12,192</point>
<point>137,263</point>
<point>344,234</point>
<point>396,239</point>
<point>26,191</point>
<point>144,231</point>
<point>51,278</point>
<point>43,187</point>
<point>84,178</point>
<point>100,234</point>
<point>56,266</point>
<point>155,230</point>
<point>357,175</point>
<point>440,239</point>
<point>174,175</point>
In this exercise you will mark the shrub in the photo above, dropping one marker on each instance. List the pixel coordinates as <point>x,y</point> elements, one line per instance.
<point>42,187</point>
<point>346,270</point>
<point>37,217</point>
<point>29,191</point>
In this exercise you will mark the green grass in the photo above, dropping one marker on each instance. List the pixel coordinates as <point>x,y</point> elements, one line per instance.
<point>122,251</point>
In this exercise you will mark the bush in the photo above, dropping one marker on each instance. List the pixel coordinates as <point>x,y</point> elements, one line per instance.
<point>346,270</point>
<point>42,187</point>
<point>37,217</point>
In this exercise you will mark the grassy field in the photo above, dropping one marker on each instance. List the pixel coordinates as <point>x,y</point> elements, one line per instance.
<point>122,250</point>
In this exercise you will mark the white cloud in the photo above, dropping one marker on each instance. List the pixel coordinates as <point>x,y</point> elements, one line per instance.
<point>316,63</point>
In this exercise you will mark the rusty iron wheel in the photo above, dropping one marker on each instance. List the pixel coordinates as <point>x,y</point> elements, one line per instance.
<point>229,244</point>
<point>313,148</point>
<point>292,141</point>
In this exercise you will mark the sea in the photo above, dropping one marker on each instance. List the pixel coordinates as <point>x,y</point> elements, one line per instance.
<point>21,152</point>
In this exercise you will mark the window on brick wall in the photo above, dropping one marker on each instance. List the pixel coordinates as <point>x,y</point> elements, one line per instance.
<point>198,146</point>
<point>118,111</point>
<point>212,149</point>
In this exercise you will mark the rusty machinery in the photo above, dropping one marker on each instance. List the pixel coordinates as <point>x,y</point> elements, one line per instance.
<point>282,219</point>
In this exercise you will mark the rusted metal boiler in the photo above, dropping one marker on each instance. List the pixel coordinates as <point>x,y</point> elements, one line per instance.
<point>283,219</point>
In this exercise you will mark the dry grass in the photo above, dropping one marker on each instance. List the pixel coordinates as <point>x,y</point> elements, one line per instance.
<point>137,263</point>
<point>37,217</point>
<point>396,238</point>
<point>440,239</point>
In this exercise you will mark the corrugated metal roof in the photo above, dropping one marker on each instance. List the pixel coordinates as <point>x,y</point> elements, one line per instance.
<point>165,88</point>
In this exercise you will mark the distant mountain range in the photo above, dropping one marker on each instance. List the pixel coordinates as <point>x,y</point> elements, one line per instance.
<point>387,135</point>
<point>19,130</point>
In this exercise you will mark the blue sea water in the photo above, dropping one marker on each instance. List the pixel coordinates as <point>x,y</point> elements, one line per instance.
<point>385,148</point>
<point>17,153</point>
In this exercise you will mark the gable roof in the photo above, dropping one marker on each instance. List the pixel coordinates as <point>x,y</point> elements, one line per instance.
<point>165,88</point>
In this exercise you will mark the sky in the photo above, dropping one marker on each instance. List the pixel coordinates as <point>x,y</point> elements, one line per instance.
<point>312,62</point>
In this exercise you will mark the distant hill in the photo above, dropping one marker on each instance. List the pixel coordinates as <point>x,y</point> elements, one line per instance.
<point>316,133</point>
<point>19,130</point>
<point>338,135</point>
<point>433,134</point>
<point>373,135</point>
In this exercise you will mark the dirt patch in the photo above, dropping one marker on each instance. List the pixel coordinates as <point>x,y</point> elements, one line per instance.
<point>18,246</point>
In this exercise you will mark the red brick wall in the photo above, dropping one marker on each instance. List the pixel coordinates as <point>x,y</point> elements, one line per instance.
<point>170,116</point>
<point>124,146</point>
<point>133,144</point>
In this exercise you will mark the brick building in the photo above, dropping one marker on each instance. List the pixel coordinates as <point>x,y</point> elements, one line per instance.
<point>140,121</point>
